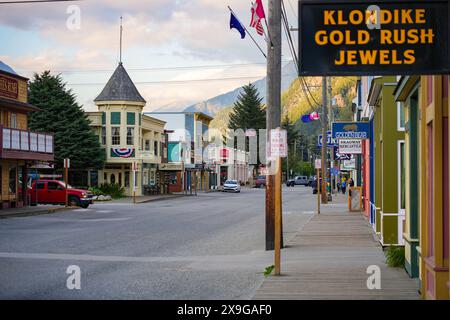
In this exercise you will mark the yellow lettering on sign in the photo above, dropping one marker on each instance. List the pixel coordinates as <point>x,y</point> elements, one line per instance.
<point>409,57</point>
<point>420,16</point>
<point>368,56</point>
<point>426,36</point>
<point>328,17</point>
<point>321,37</point>
<point>356,17</point>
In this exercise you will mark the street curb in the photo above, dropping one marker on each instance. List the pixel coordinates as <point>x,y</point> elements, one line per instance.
<point>35,213</point>
<point>162,198</point>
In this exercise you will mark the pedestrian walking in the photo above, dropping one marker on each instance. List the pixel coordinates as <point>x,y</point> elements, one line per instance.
<point>343,186</point>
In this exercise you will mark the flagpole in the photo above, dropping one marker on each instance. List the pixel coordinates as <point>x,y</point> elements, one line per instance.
<point>231,10</point>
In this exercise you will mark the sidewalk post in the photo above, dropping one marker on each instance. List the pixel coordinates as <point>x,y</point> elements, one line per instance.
<point>278,218</point>
<point>318,193</point>
<point>66,178</point>
<point>318,166</point>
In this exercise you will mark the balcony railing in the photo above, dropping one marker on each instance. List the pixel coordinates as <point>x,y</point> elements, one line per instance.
<point>23,141</point>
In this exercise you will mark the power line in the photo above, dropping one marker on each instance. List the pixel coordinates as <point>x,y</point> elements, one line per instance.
<point>158,68</point>
<point>36,1</point>
<point>172,81</point>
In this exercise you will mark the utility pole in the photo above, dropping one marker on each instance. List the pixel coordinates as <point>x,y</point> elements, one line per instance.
<point>273,114</point>
<point>331,117</point>
<point>324,139</point>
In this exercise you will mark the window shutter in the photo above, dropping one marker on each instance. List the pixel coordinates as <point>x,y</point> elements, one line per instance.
<point>115,117</point>
<point>131,118</point>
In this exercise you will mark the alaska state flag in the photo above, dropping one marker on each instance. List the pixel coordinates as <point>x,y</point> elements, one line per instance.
<point>234,23</point>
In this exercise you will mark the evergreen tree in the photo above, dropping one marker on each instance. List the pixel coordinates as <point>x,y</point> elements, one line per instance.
<point>60,114</point>
<point>247,111</point>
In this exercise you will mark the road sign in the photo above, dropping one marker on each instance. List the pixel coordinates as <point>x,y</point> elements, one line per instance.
<point>351,130</point>
<point>318,164</point>
<point>67,163</point>
<point>350,146</point>
<point>330,141</point>
<point>278,143</point>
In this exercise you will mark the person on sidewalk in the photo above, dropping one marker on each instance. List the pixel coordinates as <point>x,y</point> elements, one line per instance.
<point>344,186</point>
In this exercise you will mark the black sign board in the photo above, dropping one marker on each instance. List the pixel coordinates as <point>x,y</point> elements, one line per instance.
<point>374,37</point>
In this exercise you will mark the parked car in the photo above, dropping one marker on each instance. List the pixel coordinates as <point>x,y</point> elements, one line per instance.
<point>231,185</point>
<point>54,192</point>
<point>298,180</point>
<point>260,182</point>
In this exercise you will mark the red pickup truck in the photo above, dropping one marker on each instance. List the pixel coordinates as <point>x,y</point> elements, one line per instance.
<point>54,192</point>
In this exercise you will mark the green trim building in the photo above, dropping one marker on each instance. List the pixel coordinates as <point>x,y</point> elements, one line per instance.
<point>390,169</point>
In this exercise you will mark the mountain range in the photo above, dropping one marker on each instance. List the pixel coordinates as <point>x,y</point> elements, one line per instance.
<point>213,105</point>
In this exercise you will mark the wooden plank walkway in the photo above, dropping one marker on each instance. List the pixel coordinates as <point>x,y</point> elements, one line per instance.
<point>328,259</point>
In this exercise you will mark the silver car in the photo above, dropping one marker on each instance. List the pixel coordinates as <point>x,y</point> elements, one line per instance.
<point>231,185</point>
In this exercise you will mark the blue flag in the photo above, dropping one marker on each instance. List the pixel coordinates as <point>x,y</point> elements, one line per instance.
<point>306,118</point>
<point>234,23</point>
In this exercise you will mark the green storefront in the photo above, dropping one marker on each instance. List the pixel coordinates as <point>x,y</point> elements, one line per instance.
<point>407,93</point>
<point>389,140</point>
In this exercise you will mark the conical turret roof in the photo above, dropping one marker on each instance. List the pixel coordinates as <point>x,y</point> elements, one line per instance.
<point>120,87</point>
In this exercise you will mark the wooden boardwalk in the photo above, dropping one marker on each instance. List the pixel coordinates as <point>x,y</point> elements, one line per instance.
<point>328,259</point>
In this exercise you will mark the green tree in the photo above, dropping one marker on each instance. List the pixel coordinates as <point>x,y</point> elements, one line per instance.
<point>247,110</point>
<point>60,114</point>
<point>248,113</point>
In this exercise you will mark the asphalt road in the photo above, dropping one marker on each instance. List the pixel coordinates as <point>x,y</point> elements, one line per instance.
<point>205,247</point>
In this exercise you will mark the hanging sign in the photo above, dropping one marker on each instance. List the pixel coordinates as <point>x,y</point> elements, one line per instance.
<point>382,37</point>
<point>350,146</point>
<point>351,130</point>
<point>330,141</point>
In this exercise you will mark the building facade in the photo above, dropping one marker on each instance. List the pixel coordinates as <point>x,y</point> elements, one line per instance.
<point>389,161</point>
<point>426,103</point>
<point>19,147</point>
<point>189,139</point>
<point>135,144</point>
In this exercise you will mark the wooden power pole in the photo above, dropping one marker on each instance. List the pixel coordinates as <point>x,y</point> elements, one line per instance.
<point>324,139</point>
<point>273,115</point>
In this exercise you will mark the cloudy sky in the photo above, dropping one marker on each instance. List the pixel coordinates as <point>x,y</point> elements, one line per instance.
<point>177,52</point>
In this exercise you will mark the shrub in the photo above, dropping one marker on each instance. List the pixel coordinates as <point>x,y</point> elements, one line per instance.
<point>96,191</point>
<point>395,256</point>
<point>112,189</point>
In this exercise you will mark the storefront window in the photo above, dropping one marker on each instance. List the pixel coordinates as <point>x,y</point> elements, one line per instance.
<point>113,178</point>
<point>130,136</point>
<point>103,135</point>
<point>155,148</point>
<point>402,182</point>
<point>115,135</point>
<point>120,178</point>
<point>147,145</point>
<point>13,120</point>
<point>127,179</point>
<point>12,179</point>
<point>400,117</point>
<point>94,178</point>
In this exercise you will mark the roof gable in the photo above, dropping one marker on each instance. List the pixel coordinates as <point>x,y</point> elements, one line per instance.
<point>120,87</point>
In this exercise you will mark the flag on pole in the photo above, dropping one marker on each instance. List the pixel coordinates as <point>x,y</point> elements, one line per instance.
<point>234,23</point>
<point>260,9</point>
<point>314,116</point>
<point>257,9</point>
